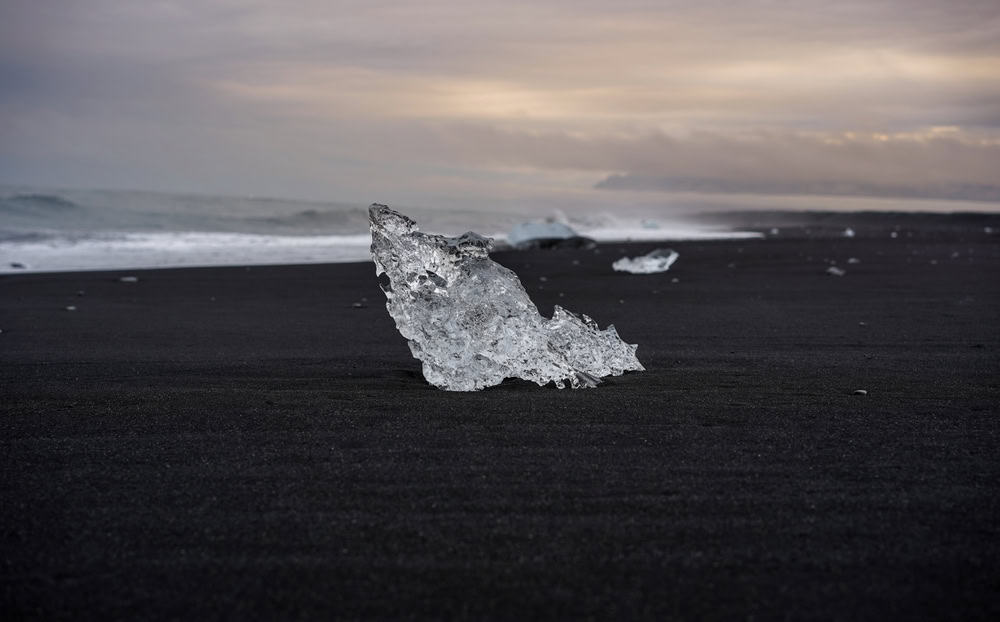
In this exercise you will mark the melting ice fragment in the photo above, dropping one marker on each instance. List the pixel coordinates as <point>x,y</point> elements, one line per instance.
<point>546,235</point>
<point>470,321</point>
<point>659,260</point>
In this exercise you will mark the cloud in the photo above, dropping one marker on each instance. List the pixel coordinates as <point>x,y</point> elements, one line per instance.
<point>939,162</point>
<point>229,95</point>
<point>776,186</point>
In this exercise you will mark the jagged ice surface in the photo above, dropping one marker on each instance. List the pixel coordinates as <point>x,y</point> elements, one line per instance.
<point>659,260</point>
<point>470,321</point>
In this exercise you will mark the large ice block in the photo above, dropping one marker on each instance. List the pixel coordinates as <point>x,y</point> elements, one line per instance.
<point>470,321</point>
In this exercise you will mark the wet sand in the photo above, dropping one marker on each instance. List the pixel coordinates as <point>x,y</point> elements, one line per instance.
<point>247,443</point>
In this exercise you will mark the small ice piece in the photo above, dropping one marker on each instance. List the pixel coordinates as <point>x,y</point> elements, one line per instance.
<point>71,308</point>
<point>853,260</point>
<point>659,260</point>
<point>546,235</point>
<point>649,224</point>
<point>894,235</point>
<point>860,392</point>
<point>470,321</point>
<point>775,231</point>
<point>848,233</point>
<point>835,271</point>
<point>129,279</point>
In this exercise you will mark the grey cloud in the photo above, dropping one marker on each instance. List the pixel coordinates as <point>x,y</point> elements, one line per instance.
<point>943,165</point>
<point>108,90</point>
<point>961,192</point>
<point>738,155</point>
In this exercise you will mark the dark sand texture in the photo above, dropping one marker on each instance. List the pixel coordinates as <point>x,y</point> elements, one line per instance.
<point>243,443</point>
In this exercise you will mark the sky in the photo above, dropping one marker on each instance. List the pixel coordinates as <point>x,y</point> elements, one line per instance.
<point>453,102</point>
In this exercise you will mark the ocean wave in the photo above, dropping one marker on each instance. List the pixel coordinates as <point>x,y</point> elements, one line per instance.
<point>23,237</point>
<point>110,250</point>
<point>32,203</point>
<point>354,218</point>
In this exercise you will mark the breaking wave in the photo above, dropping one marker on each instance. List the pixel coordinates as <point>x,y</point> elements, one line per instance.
<point>40,204</point>
<point>90,230</point>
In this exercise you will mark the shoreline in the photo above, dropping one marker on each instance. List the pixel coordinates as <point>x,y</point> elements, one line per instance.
<point>142,251</point>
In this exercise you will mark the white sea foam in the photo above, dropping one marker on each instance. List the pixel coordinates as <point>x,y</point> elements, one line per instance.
<point>46,230</point>
<point>54,252</point>
<point>626,233</point>
<point>177,249</point>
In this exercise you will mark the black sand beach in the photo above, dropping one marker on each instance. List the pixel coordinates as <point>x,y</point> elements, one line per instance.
<point>246,443</point>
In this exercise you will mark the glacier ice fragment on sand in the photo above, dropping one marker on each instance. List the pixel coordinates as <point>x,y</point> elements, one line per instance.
<point>659,260</point>
<point>470,321</point>
<point>547,234</point>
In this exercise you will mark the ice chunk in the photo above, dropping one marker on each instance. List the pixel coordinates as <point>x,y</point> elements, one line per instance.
<point>470,321</point>
<point>848,233</point>
<point>659,260</point>
<point>835,271</point>
<point>536,230</point>
<point>546,235</point>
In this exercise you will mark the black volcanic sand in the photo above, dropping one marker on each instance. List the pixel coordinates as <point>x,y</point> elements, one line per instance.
<point>246,443</point>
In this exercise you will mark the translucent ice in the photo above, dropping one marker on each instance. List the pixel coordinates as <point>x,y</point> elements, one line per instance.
<point>539,230</point>
<point>470,321</point>
<point>659,260</point>
<point>546,235</point>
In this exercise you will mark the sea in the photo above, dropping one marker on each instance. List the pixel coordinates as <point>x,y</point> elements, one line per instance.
<point>44,230</point>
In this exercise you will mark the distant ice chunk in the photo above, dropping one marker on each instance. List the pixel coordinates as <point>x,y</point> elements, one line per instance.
<point>470,321</point>
<point>835,271</point>
<point>848,233</point>
<point>659,260</point>
<point>546,235</point>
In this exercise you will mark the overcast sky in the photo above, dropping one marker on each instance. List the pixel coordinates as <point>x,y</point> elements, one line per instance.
<point>417,102</point>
